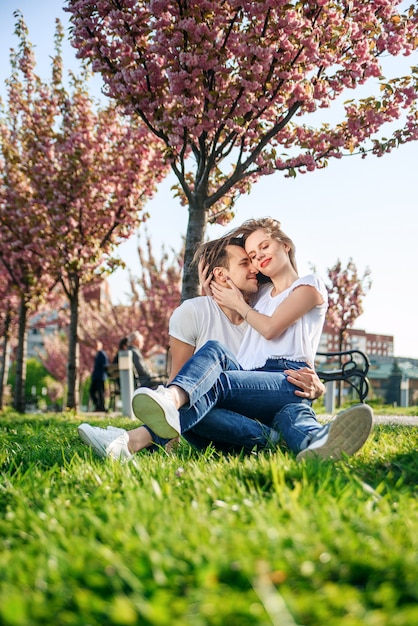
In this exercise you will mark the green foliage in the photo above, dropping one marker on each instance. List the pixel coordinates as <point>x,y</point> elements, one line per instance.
<point>204,539</point>
<point>37,376</point>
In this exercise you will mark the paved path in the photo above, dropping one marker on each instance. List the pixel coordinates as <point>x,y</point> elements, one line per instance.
<point>408,420</point>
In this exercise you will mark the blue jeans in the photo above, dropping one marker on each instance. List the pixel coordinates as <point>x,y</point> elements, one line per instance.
<point>214,378</point>
<point>228,432</point>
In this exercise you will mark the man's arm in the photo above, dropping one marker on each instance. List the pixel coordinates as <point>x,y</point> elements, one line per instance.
<point>180,352</point>
<point>308,381</point>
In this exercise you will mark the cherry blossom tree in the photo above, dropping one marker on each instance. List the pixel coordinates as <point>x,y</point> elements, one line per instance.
<point>96,321</point>
<point>88,173</point>
<point>21,224</point>
<point>229,87</point>
<point>156,292</point>
<point>346,291</point>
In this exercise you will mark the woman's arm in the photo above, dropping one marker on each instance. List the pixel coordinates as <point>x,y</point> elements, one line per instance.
<point>301,300</point>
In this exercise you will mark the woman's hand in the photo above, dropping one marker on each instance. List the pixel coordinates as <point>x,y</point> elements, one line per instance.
<point>205,278</point>
<point>308,381</point>
<point>229,296</point>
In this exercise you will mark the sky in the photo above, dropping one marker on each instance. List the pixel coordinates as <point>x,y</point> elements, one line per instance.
<point>363,209</point>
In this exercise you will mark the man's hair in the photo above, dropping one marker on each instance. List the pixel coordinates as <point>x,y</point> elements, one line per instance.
<point>135,334</point>
<point>215,254</point>
<point>123,343</point>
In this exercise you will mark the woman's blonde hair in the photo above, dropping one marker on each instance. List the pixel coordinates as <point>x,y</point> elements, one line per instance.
<point>271,227</point>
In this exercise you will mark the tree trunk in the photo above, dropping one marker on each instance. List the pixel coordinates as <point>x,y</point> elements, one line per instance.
<point>6,357</point>
<point>73,383</point>
<point>19,390</point>
<point>196,228</point>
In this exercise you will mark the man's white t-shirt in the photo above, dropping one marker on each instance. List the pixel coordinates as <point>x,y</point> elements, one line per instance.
<point>299,342</point>
<point>200,319</point>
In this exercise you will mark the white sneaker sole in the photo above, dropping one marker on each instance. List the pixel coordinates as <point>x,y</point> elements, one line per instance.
<point>348,433</point>
<point>147,408</point>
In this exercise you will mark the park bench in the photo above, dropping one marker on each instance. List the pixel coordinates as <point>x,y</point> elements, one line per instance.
<point>114,386</point>
<point>349,366</point>
<point>114,383</point>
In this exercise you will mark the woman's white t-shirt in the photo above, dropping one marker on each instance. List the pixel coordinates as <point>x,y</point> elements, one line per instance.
<point>299,342</point>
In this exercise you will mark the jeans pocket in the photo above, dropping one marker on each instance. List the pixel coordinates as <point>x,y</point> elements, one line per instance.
<point>294,365</point>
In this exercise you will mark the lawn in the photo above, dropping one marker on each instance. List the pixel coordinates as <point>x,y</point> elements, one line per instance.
<point>188,539</point>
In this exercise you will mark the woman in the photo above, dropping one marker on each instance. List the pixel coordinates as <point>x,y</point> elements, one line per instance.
<point>285,327</point>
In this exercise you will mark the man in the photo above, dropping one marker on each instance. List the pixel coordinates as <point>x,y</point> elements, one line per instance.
<point>191,325</point>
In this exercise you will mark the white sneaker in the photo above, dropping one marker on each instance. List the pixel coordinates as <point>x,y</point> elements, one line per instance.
<point>110,442</point>
<point>156,409</point>
<point>346,434</point>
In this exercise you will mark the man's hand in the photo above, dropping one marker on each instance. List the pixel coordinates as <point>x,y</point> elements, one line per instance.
<point>307,379</point>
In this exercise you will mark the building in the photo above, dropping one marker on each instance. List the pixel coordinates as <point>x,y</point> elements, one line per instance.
<point>41,325</point>
<point>394,379</point>
<point>369,343</point>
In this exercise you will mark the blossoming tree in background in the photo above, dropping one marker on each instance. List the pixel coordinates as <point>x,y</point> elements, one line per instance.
<point>87,174</point>
<point>229,87</point>
<point>156,292</point>
<point>346,291</point>
<point>22,223</point>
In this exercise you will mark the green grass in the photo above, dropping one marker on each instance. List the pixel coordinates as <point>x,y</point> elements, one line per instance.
<point>193,539</point>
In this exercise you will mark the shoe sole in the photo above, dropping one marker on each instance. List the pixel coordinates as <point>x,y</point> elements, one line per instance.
<point>147,409</point>
<point>88,437</point>
<point>347,434</point>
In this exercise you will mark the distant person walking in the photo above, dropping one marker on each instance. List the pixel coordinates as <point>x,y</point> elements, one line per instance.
<point>98,377</point>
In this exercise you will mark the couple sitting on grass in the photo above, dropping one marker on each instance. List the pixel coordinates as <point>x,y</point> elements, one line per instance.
<point>242,360</point>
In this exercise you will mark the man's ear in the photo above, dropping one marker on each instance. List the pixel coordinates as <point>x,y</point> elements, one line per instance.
<point>220,274</point>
